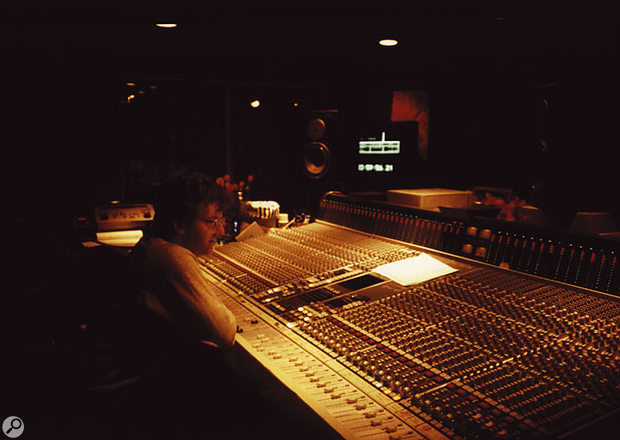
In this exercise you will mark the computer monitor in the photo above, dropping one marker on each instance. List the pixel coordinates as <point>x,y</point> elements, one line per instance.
<point>385,155</point>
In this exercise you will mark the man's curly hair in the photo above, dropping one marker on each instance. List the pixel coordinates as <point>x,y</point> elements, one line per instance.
<point>180,196</point>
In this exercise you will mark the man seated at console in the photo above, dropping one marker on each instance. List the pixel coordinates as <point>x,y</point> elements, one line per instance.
<point>188,221</point>
<point>182,332</point>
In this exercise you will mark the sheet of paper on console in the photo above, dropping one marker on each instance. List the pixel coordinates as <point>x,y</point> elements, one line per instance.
<point>414,270</point>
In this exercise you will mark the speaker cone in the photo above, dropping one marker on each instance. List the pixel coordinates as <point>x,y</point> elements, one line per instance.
<point>316,160</point>
<point>316,129</point>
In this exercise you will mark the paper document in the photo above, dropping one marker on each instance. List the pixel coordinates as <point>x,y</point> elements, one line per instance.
<point>120,238</point>
<point>414,270</point>
<point>254,230</point>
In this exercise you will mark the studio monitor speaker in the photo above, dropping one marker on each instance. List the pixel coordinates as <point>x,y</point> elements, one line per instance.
<point>316,159</point>
<point>317,153</point>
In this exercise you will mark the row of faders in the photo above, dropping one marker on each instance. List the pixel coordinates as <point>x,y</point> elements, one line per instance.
<point>292,261</point>
<point>484,353</point>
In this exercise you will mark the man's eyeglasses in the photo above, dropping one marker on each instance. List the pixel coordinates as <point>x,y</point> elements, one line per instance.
<point>214,221</point>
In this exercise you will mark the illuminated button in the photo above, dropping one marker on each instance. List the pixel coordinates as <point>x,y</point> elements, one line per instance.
<point>467,248</point>
<point>472,231</point>
<point>485,234</point>
<point>481,252</point>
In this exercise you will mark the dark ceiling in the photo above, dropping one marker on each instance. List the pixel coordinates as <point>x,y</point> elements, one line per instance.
<point>318,41</point>
<point>62,60</point>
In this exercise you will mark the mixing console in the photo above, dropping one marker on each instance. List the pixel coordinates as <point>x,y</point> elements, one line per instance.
<point>483,352</point>
<point>581,260</point>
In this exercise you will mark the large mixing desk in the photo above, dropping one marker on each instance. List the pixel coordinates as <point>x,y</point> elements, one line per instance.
<point>496,349</point>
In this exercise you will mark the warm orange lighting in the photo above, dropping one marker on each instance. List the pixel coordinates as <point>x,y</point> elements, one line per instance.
<point>406,105</point>
<point>153,87</point>
<point>129,98</point>
<point>412,105</point>
<point>255,103</point>
<point>166,25</point>
<point>295,104</point>
<point>120,238</point>
<point>387,42</point>
<point>141,92</point>
<point>130,84</point>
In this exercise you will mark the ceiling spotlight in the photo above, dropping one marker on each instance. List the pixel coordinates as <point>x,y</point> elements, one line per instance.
<point>166,25</point>
<point>130,84</point>
<point>387,42</point>
<point>255,103</point>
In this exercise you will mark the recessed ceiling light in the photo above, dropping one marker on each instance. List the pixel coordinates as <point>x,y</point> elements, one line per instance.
<point>166,25</point>
<point>255,103</point>
<point>388,42</point>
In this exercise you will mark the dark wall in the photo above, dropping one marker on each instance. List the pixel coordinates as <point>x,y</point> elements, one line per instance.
<point>168,127</point>
<point>72,140</point>
<point>61,135</point>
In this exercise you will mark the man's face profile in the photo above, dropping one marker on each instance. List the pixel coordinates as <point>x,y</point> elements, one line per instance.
<point>199,234</point>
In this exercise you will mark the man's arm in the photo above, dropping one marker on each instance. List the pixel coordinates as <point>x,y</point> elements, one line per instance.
<point>189,297</point>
